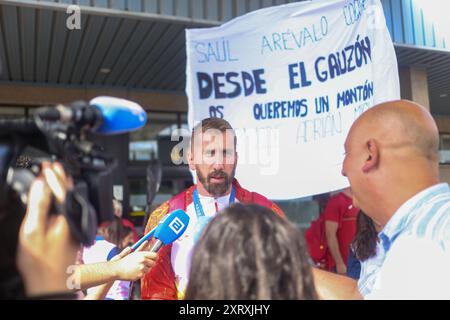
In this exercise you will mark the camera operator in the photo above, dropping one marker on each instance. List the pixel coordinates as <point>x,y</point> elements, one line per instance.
<point>47,212</point>
<point>46,248</point>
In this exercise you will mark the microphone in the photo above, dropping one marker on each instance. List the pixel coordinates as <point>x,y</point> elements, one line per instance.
<point>103,115</point>
<point>169,229</point>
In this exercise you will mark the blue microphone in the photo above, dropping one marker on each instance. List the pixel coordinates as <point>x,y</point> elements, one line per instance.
<point>119,115</point>
<point>169,229</point>
<point>103,115</point>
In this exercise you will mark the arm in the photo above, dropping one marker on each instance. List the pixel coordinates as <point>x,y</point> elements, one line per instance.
<point>330,286</point>
<point>101,291</point>
<point>331,229</point>
<point>129,266</point>
<point>94,274</point>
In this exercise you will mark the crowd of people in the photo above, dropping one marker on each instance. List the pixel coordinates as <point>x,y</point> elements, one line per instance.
<point>388,235</point>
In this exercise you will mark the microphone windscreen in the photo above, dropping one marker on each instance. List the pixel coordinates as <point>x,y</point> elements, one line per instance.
<point>119,115</point>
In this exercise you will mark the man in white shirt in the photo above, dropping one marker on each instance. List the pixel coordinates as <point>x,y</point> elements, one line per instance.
<point>392,164</point>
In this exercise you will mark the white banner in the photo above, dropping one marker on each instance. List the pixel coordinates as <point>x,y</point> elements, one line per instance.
<point>291,80</point>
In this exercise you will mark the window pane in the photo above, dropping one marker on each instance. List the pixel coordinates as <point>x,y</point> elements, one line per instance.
<point>144,143</point>
<point>300,211</point>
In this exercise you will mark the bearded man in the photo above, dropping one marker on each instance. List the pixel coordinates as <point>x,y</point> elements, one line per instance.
<point>213,157</point>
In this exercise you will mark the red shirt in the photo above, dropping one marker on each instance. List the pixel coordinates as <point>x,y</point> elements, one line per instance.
<point>341,210</point>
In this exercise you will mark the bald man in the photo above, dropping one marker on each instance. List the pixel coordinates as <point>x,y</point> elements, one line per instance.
<point>391,161</point>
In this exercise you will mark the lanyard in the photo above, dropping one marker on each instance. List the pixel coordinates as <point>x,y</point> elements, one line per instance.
<point>198,205</point>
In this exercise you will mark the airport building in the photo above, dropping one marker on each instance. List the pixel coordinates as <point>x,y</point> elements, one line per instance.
<point>60,51</point>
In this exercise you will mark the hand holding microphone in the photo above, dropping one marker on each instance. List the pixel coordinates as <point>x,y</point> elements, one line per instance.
<point>169,229</point>
<point>133,265</point>
<point>134,262</point>
<point>126,266</point>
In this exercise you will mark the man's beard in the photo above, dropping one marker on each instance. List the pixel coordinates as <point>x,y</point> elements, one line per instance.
<point>216,189</point>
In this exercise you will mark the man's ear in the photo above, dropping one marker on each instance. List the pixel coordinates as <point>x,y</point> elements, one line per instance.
<point>373,156</point>
<point>190,157</point>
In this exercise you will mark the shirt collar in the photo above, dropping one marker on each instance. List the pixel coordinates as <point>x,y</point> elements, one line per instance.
<point>408,210</point>
<point>224,198</point>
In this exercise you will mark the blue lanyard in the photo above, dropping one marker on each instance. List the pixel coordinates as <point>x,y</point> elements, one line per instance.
<point>198,205</point>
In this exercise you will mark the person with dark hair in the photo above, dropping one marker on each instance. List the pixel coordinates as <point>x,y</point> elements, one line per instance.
<point>128,238</point>
<point>213,158</point>
<point>364,245</point>
<point>118,225</point>
<point>248,252</point>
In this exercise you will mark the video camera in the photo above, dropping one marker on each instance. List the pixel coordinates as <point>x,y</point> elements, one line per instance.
<point>66,134</point>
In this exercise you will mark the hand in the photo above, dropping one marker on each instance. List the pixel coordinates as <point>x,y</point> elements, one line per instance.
<point>129,265</point>
<point>341,268</point>
<point>132,266</point>
<point>128,250</point>
<point>46,247</point>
